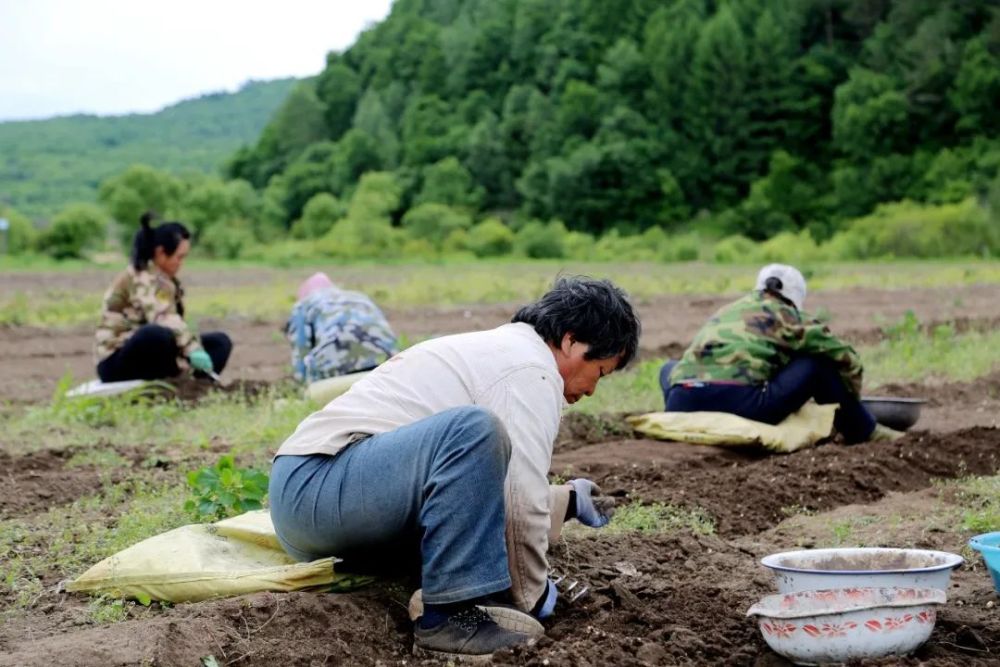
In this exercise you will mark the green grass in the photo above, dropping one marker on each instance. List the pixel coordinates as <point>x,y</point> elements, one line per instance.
<point>911,354</point>
<point>660,518</point>
<point>67,540</point>
<point>240,288</point>
<point>246,427</point>
<point>981,498</point>
<point>636,389</point>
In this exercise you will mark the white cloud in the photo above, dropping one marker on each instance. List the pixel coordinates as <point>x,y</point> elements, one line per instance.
<point>119,56</point>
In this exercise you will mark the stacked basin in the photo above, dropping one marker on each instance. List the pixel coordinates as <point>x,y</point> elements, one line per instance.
<point>838,605</point>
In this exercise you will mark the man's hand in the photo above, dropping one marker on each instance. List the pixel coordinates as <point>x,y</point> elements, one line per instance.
<point>201,361</point>
<point>591,510</point>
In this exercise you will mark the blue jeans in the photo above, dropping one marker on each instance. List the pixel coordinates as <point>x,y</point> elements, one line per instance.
<point>430,492</point>
<point>803,378</point>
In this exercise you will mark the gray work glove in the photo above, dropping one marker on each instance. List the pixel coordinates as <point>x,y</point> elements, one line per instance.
<point>591,510</point>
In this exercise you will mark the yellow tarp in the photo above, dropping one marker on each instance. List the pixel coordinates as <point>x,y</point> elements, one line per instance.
<point>324,391</point>
<point>231,557</point>
<point>804,428</point>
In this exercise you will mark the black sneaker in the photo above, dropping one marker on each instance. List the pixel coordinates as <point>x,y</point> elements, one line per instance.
<point>470,635</point>
<point>503,613</point>
<point>511,618</point>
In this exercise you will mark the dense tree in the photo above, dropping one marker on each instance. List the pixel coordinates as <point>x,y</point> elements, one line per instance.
<point>138,189</point>
<point>752,118</point>
<point>338,87</point>
<point>448,182</point>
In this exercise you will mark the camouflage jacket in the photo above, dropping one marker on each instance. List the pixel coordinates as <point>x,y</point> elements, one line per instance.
<point>750,340</point>
<point>136,298</point>
<point>335,332</point>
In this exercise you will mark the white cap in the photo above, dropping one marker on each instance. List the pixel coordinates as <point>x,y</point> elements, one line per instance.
<point>793,285</point>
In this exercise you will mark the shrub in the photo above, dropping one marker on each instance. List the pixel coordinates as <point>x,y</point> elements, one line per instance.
<point>434,222</point>
<point>490,238</point>
<point>908,229</point>
<point>318,216</point>
<point>788,248</point>
<point>21,234</point>
<point>75,229</point>
<point>647,246</point>
<point>227,240</point>
<point>360,237</point>
<point>419,248</point>
<point>578,245</point>
<point>682,248</point>
<point>539,240</point>
<point>734,249</point>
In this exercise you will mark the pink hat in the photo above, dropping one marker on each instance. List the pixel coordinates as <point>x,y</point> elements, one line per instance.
<point>314,282</point>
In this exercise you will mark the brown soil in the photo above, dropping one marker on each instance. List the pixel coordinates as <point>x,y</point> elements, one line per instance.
<point>36,482</point>
<point>749,492</point>
<point>660,599</point>
<point>35,358</point>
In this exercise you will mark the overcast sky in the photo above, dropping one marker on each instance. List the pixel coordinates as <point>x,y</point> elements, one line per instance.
<point>61,57</point>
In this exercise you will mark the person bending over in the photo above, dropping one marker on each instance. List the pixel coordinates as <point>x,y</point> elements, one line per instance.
<point>336,332</point>
<point>142,334</point>
<point>762,358</point>
<point>440,457</point>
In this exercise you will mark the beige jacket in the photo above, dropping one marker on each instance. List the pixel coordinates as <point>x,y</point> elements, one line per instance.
<point>136,298</point>
<point>509,370</point>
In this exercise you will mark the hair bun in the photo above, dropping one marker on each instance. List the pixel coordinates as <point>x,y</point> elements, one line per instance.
<point>146,219</point>
<point>774,284</point>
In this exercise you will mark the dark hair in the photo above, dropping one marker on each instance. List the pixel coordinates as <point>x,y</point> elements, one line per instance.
<point>595,312</point>
<point>167,235</point>
<point>773,284</point>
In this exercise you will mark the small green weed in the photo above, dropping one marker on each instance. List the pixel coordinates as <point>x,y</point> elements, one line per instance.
<point>796,509</point>
<point>225,490</point>
<point>981,496</point>
<point>105,610</point>
<point>842,531</point>
<point>660,518</point>
<point>99,458</point>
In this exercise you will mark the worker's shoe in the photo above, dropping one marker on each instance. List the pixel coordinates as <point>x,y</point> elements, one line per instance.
<point>507,616</point>
<point>469,635</point>
<point>511,618</point>
<point>885,434</point>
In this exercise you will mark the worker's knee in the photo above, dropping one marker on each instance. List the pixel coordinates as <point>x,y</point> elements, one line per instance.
<point>479,426</point>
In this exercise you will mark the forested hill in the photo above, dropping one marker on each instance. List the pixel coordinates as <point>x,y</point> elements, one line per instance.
<point>746,116</point>
<point>46,164</point>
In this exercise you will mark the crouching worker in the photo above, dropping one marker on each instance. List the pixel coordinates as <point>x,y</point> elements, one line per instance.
<point>762,358</point>
<point>336,332</point>
<point>440,457</point>
<point>142,334</point>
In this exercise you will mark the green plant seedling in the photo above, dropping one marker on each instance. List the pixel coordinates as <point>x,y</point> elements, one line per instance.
<point>224,490</point>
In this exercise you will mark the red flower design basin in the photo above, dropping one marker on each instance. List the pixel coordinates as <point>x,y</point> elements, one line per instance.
<point>843,624</point>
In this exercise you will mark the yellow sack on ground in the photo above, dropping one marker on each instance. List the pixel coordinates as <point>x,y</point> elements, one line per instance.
<point>324,391</point>
<point>196,562</point>
<point>801,429</point>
